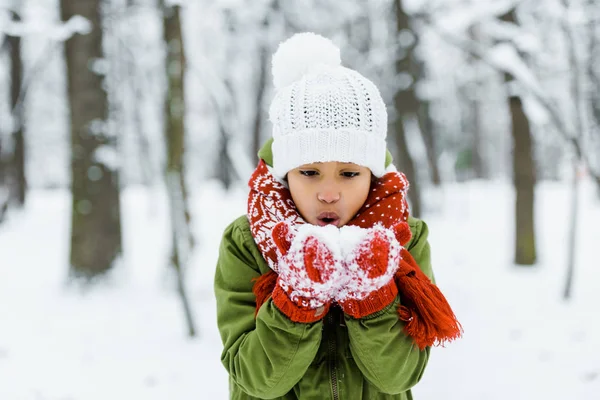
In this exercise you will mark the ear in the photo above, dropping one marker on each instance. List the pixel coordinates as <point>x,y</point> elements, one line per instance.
<point>402,233</point>
<point>280,234</point>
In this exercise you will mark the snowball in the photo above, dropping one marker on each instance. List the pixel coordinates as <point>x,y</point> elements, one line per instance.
<point>299,55</point>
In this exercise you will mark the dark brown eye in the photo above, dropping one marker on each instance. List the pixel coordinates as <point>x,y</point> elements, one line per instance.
<point>350,174</point>
<point>308,173</point>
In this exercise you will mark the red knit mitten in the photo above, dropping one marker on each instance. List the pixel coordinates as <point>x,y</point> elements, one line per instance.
<point>309,270</point>
<point>371,257</point>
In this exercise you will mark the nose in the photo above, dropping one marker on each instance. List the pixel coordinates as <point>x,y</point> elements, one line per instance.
<point>329,194</point>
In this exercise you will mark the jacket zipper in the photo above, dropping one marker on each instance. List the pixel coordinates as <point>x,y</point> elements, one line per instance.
<point>332,359</point>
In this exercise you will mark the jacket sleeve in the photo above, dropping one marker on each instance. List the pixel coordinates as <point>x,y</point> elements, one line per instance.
<point>268,355</point>
<point>386,356</point>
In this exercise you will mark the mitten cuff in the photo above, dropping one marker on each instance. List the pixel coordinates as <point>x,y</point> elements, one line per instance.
<point>374,302</point>
<point>295,312</point>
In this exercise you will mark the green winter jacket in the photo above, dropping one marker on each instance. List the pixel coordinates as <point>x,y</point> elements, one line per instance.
<point>339,357</point>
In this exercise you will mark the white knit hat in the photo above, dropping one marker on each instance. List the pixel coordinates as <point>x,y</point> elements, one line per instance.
<point>323,111</point>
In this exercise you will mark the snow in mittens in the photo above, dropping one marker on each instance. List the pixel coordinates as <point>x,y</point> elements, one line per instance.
<point>292,269</point>
<point>343,277</point>
<point>354,241</point>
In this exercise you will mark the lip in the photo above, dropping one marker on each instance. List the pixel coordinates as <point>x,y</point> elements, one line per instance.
<point>333,218</point>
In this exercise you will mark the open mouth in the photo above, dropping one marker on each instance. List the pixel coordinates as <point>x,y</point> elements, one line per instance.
<point>328,218</point>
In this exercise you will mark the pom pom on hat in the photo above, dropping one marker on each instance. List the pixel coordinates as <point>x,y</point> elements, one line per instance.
<point>299,54</point>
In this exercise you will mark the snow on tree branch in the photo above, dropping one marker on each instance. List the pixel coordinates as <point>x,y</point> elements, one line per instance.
<point>58,32</point>
<point>505,57</point>
<point>75,25</point>
<point>459,18</point>
<point>507,31</point>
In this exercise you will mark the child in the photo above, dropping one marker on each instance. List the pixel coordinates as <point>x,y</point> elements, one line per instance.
<point>324,288</point>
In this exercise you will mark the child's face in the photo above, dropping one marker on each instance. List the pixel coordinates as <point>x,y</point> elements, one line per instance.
<point>329,192</point>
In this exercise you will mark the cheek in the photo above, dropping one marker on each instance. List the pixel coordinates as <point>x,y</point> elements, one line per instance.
<point>363,191</point>
<point>300,194</point>
<point>358,193</point>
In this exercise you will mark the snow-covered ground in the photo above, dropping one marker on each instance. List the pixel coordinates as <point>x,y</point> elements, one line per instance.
<point>125,339</point>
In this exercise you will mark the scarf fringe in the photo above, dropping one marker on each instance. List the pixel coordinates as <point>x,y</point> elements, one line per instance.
<point>429,318</point>
<point>263,288</point>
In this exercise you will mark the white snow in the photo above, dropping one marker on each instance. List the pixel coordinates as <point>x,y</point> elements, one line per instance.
<point>329,235</point>
<point>350,237</point>
<point>126,338</point>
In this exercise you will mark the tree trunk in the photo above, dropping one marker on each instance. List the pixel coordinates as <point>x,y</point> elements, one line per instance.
<point>12,151</point>
<point>407,105</point>
<point>225,168</point>
<point>594,91</point>
<point>524,181</point>
<point>479,169</point>
<point>523,173</point>
<point>96,220</point>
<point>18,157</point>
<point>175,104</point>
<point>477,145</point>
<point>408,167</point>
<point>425,121</point>
<point>573,229</point>
<point>175,138</point>
<point>582,127</point>
<point>426,127</point>
<point>4,190</point>
<point>263,76</point>
<point>471,165</point>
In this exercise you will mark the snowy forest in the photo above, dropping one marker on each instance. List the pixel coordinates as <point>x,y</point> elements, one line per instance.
<point>129,130</point>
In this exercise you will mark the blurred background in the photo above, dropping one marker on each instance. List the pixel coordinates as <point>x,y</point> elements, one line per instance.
<point>129,130</point>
